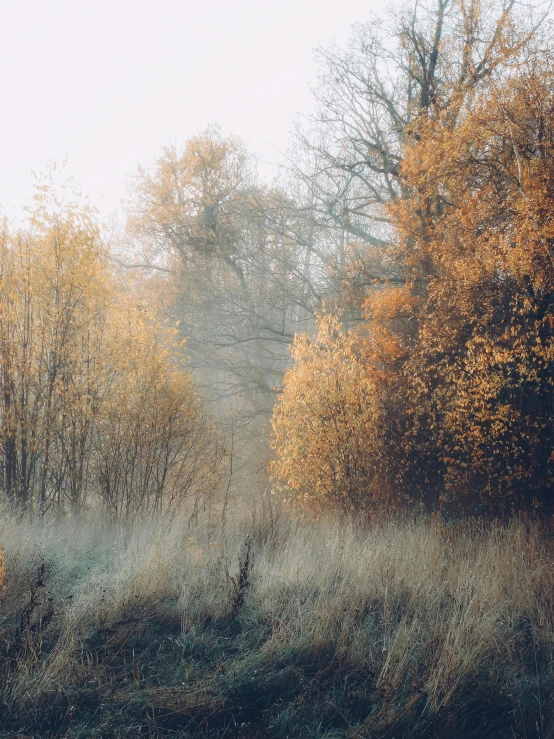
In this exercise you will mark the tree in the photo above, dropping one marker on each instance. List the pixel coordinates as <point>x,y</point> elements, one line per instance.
<point>326,426</point>
<point>95,403</point>
<point>243,269</point>
<point>155,446</point>
<point>54,289</point>
<point>421,62</point>
<point>455,303</point>
<point>480,377</point>
<point>243,275</point>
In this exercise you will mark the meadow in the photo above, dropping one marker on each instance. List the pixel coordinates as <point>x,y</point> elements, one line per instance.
<point>274,627</point>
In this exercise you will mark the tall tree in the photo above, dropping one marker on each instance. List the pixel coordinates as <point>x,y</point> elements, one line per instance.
<point>424,61</point>
<point>456,339</point>
<point>242,269</point>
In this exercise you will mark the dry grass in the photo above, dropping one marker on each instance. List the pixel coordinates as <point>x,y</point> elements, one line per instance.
<point>404,629</point>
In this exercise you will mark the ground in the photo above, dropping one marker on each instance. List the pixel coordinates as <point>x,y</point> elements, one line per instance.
<point>276,629</point>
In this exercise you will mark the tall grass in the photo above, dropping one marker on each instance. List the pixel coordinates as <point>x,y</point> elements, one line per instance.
<point>278,629</point>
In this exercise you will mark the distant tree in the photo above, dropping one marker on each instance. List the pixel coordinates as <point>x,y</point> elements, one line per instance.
<point>241,269</point>
<point>243,272</point>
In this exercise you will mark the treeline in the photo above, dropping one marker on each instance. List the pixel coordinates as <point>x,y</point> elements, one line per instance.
<point>96,408</point>
<point>404,252</point>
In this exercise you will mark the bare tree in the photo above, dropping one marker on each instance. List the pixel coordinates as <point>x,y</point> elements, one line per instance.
<point>424,61</point>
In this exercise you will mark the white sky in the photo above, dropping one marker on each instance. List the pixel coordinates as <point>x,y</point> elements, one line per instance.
<point>107,83</point>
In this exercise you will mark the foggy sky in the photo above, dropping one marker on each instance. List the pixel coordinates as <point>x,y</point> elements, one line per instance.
<point>107,83</point>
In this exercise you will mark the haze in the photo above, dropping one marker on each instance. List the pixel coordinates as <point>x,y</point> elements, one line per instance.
<point>106,84</point>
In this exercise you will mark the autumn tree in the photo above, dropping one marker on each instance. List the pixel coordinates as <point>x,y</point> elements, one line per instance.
<point>243,276</point>
<point>78,359</point>
<point>444,174</point>
<point>54,292</point>
<point>419,61</point>
<point>478,381</point>
<point>326,426</point>
<point>155,446</point>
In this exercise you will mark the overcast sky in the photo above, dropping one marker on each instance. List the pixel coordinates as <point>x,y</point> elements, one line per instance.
<point>107,83</point>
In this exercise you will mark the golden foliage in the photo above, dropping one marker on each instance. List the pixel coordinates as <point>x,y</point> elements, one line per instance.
<point>94,403</point>
<point>481,223</point>
<point>326,424</point>
<point>190,199</point>
<point>463,352</point>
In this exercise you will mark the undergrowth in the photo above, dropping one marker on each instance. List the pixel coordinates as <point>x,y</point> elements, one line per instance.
<point>401,629</point>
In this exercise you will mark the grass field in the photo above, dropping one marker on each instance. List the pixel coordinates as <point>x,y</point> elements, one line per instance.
<point>276,629</point>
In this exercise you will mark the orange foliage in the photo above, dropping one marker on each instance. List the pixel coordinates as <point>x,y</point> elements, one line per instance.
<point>478,383</point>
<point>449,398</point>
<point>326,425</point>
